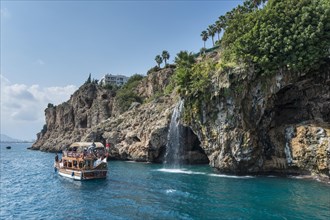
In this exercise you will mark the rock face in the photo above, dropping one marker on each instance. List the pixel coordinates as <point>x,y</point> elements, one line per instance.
<point>278,124</point>
<point>156,82</point>
<point>141,133</point>
<point>69,121</point>
<point>251,124</point>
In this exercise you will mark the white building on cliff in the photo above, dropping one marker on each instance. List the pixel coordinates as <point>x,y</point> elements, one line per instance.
<point>118,80</point>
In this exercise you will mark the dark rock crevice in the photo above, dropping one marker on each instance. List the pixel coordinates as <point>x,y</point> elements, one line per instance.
<point>192,153</point>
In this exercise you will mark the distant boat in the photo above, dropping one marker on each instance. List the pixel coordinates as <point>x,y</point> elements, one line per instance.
<point>83,161</point>
<point>8,147</point>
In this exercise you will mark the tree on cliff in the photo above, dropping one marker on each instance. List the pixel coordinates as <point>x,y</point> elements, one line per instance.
<point>127,95</point>
<point>50,105</point>
<point>288,34</point>
<point>218,28</point>
<point>159,60</point>
<point>204,36</point>
<point>165,56</point>
<point>211,32</point>
<point>89,79</point>
<point>183,72</point>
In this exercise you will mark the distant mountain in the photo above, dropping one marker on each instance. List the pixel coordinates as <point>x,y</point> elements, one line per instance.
<point>6,138</point>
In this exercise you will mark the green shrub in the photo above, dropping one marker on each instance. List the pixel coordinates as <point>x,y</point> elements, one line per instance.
<point>126,94</point>
<point>288,34</point>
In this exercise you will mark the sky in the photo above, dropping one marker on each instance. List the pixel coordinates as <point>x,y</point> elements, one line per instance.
<point>48,48</point>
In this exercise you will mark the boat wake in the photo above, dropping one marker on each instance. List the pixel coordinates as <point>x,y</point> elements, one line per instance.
<point>185,171</point>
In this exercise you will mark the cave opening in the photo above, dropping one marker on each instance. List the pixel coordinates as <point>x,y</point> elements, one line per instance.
<point>189,150</point>
<point>306,101</point>
<point>192,152</point>
<point>302,103</point>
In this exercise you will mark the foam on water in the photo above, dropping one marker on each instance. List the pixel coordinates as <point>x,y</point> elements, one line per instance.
<point>170,191</point>
<point>185,171</point>
<point>231,176</point>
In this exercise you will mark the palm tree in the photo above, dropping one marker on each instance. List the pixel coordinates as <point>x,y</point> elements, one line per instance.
<point>165,56</point>
<point>211,32</point>
<point>204,36</point>
<point>184,62</point>
<point>159,60</point>
<point>218,28</point>
<point>222,20</point>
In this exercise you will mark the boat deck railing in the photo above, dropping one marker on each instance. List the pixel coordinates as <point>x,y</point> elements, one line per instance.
<point>82,154</point>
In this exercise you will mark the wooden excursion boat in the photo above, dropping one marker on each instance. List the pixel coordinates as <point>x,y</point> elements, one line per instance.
<point>83,161</point>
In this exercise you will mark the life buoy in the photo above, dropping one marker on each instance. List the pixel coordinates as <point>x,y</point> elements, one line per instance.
<point>72,174</point>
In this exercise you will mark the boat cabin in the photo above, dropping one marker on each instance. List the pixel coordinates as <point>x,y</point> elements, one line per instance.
<point>83,160</point>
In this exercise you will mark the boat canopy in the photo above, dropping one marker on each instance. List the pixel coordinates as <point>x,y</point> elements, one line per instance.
<point>82,145</point>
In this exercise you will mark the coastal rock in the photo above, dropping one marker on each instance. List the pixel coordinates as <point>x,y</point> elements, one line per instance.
<point>310,147</point>
<point>155,82</point>
<point>275,124</point>
<point>250,124</point>
<point>69,121</point>
<point>140,133</point>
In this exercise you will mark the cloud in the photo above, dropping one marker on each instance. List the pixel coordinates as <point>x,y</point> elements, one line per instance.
<point>19,91</point>
<point>20,102</point>
<point>5,13</point>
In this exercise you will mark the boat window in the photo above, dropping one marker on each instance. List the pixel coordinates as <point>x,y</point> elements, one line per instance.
<point>80,164</point>
<point>75,163</point>
<point>69,164</point>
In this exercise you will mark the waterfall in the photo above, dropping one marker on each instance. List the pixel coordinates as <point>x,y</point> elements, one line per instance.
<point>289,134</point>
<point>174,146</point>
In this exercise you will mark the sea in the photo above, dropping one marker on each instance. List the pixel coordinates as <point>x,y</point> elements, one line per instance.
<point>30,189</point>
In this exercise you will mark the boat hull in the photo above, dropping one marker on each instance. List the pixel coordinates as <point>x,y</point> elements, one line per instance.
<point>82,174</point>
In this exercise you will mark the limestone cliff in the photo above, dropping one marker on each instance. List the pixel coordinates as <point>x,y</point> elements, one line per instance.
<point>69,121</point>
<point>250,123</point>
<point>140,134</point>
<point>273,124</point>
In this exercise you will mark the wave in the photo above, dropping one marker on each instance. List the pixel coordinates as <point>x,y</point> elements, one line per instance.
<point>184,171</point>
<point>174,192</point>
<point>231,176</point>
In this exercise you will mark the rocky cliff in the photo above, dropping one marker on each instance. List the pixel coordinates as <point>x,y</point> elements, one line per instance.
<point>274,124</point>
<point>250,123</point>
<point>140,134</point>
<point>69,121</point>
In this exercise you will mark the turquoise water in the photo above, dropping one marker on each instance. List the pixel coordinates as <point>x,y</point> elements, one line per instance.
<point>31,190</point>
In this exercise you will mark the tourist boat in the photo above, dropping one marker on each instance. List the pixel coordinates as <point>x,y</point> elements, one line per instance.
<point>83,161</point>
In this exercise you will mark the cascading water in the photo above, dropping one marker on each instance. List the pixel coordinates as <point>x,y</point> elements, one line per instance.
<point>174,146</point>
<point>289,134</point>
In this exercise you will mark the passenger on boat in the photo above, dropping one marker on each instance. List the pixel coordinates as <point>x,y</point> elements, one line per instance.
<point>91,149</point>
<point>56,158</point>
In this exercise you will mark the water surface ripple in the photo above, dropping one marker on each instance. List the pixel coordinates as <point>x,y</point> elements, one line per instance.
<point>31,190</point>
